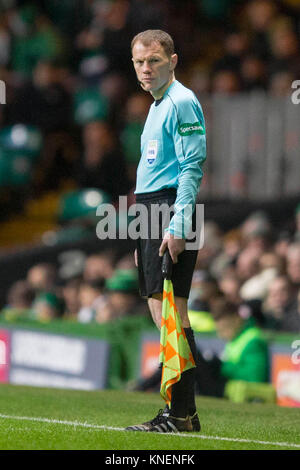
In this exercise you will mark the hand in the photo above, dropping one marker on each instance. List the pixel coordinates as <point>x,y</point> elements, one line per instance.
<point>174,245</point>
<point>135,258</point>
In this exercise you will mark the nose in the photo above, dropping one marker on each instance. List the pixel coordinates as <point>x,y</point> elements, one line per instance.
<point>146,67</point>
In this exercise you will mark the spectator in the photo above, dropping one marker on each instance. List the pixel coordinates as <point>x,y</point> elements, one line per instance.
<point>115,88</point>
<point>91,299</point>
<point>203,290</point>
<point>46,307</point>
<point>280,306</point>
<point>226,82</point>
<point>44,102</point>
<point>212,246</point>
<point>98,266</point>
<point>92,60</point>
<point>34,38</point>
<point>281,83</point>
<point>230,285</point>
<point>256,231</point>
<point>116,34</point>
<point>19,301</point>
<point>260,15</point>
<point>70,295</point>
<point>232,245</point>
<point>42,277</point>
<point>253,73</point>
<point>101,156</point>
<point>245,355</point>
<point>236,45</point>
<point>282,243</point>
<point>293,263</point>
<point>247,264</point>
<point>136,113</point>
<point>126,262</point>
<point>123,298</point>
<point>270,265</point>
<point>199,80</point>
<point>285,47</point>
<point>20,295</point>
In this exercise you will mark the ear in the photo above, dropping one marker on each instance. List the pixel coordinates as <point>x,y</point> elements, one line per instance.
<point>173,61</point>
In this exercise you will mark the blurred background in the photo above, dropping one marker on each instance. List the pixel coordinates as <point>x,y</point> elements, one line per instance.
<point>70,140</point>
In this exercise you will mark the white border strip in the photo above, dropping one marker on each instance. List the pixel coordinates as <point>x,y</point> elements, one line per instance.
<point>111,428</point>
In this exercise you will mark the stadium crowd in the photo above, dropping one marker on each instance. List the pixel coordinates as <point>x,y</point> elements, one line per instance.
<point>252,266</point>
<point>67,69</point>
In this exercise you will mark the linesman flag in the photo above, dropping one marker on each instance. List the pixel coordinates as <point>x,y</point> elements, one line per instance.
<point>175,353</point>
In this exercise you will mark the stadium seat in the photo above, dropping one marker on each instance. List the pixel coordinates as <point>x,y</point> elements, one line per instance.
<point>81,204</point>
<point>89,105</point>
<point>15,168</point>
<point>23,139</point>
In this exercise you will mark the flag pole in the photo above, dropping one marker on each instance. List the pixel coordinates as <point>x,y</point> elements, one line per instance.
<point>175,354</point>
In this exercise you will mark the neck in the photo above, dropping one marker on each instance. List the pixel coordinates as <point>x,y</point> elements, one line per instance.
<point>158,94</point>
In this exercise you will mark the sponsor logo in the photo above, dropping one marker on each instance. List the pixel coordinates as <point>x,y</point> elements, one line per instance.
<point>152,149</point>
<point>191,128</point>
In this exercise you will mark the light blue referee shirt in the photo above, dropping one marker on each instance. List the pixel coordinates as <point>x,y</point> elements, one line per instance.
<point>173,149</point>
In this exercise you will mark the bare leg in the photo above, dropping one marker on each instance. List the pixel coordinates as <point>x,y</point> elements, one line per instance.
<point>155,306</point>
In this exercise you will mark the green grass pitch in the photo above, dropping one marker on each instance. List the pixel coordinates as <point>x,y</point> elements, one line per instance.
<point>40,418</point>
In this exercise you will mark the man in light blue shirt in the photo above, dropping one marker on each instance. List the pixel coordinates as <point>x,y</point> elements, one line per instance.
<point>173,149</point>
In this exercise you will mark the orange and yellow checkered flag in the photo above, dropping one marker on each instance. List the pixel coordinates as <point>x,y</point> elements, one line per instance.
<point>175,353</point>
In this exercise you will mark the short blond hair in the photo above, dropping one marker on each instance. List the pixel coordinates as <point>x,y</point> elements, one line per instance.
<point>155,35</point>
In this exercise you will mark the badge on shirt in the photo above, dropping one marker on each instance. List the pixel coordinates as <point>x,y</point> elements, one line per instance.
<point>152,149</point>
<point>190,128</point>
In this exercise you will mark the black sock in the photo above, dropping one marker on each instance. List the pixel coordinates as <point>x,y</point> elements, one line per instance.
<point>183,392</point>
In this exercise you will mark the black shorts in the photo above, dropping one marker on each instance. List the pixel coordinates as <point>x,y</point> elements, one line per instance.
<point>149,261</point>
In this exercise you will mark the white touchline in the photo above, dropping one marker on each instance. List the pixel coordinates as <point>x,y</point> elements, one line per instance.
<point>111,428</point>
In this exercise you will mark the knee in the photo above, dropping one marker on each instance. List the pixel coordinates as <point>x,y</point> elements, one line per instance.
<point>155,305</point>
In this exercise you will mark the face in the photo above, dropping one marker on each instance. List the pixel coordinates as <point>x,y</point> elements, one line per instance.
<point>228,327</point>
<point>154,69</point>
<point>230,287</point>
<point>279,293</point>
<point>293,268</point>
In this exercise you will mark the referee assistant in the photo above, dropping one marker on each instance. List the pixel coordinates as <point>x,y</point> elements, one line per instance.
<point>173,149</point>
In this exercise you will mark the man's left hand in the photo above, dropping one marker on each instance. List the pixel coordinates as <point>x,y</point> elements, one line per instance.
<point>175,246</point>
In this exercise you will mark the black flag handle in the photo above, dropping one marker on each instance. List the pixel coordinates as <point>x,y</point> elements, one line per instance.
<point>167,265</point>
